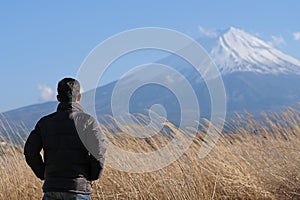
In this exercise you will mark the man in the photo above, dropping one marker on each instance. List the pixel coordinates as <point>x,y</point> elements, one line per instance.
<point>73,147</point>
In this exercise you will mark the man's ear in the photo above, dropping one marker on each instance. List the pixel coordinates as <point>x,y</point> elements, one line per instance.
<point>58,98</point>
<point>78,97</point>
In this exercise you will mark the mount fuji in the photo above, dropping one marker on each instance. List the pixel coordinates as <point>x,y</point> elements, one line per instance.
<point>257,77</point>
<point>238,51</point>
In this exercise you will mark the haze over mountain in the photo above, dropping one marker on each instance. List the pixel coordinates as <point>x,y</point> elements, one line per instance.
<point>256,77</point>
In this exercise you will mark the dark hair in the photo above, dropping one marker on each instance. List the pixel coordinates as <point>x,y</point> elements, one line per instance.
<point>68,90</point>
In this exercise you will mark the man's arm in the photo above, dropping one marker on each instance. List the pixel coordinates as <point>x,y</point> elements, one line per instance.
<point>32,149</point>
<point>95,142</point>
<point>96,168</point>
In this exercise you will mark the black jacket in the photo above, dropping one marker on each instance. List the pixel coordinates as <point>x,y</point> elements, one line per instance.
<point>73,148</point>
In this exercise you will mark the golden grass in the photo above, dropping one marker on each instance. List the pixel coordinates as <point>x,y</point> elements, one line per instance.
<point>257,159</point>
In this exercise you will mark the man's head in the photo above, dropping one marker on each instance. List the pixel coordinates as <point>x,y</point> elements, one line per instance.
<point>68,90</point>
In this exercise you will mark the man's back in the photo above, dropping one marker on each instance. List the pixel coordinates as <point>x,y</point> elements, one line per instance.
<point>65,156</point>
<point>68,166</point>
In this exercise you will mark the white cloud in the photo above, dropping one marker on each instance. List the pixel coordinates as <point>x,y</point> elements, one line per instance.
<point>169,79</point>
<point>46,93</point>
<point>207,33</point>
<point>276,41</point>
<point>296,35</point>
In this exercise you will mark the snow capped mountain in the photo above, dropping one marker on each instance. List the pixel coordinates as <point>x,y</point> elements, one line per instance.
<point>237,51</point>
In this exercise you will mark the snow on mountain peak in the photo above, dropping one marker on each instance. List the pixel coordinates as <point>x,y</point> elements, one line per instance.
<point>238,51</point>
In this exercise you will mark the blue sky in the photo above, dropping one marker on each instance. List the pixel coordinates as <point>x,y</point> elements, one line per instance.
<point>43,41</point>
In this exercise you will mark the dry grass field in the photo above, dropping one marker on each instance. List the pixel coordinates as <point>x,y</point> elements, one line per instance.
<point>257,159</point>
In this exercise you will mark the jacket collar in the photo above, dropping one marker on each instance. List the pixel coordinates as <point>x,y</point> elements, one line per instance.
<point>69,106</point>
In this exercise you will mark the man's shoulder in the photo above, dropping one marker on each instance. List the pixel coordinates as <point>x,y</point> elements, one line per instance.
<point>47,117</point>
<point>83,116</point>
